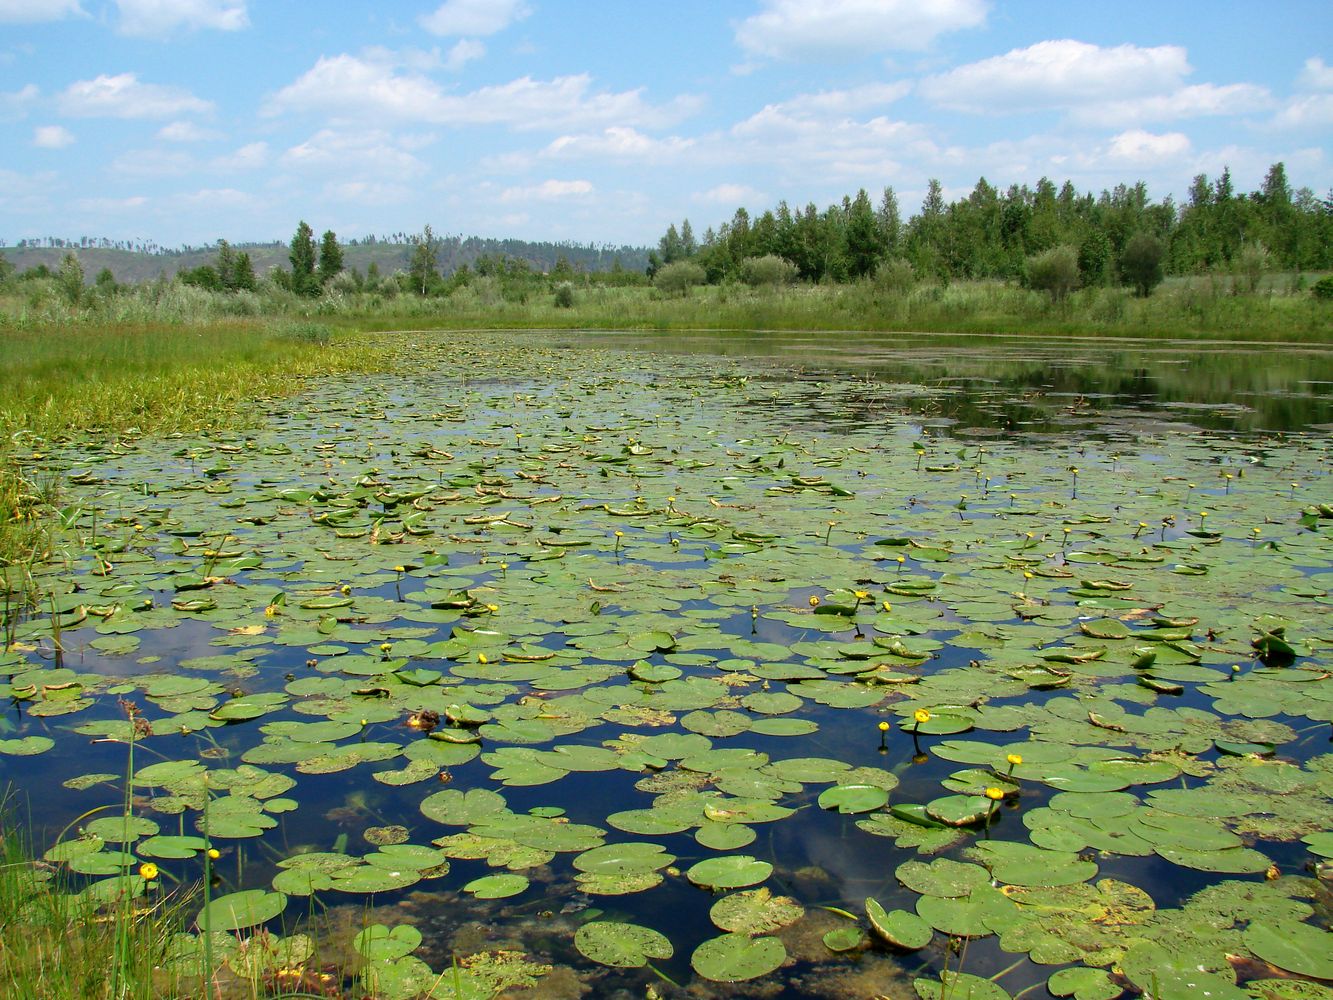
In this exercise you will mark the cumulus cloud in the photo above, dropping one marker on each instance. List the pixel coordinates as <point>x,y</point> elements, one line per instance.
<point>1198,101</point>
<point>160,18</point>
<point>14,104</point>
<point>375,151</point>
<point>617,142</point>
<point>1316,75</point>
<point>185,131</point>
<point>466,50</point>
<point>799,29</point>
<point>123,96</point>
<point>111,206</point>
<point>549,190</point>
<point>52,137</point>
<point>251,156</point>
<point>1057,74</point>
<point>472,18</point>
<point>731,194</point>
<point>35,11</point>
<point>153,163</point>
<point>1140,147</point>
<point>348,86</point>
<point>1305,112</point>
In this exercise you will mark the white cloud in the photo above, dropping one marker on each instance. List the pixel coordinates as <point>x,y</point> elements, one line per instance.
<point>1058,74</point>
<point>123,96</point>
<point>111,206</point>
<point>466,50</point>
<point>160,18</point>
<point>52,137</point>
<point>801,29</point>
<point>14,104</point>
<point>35,11</point>
<point>1306,112</point>
<point>375,152</point>
<point>731,195</point>
<point>351,87</point>
<point>249,157</point>
<point>1198,101</point>
<point>26,193</point>
<point>1139,147</point>
<point>619,143</point>
<point>184,131</point>
<point>216,198</point>
<point>471,18</point>
<point>1316,75</point>
<point>367,193</point>
<point>549,190</point>
<point>153,163</point>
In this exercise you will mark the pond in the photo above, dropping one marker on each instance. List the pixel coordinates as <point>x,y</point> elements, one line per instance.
<point>773,665</point>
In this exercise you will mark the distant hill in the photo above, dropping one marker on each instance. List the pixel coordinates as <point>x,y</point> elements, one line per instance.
<point>138,265</point>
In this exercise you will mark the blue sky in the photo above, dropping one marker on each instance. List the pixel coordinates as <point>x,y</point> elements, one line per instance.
<point>185,121</point>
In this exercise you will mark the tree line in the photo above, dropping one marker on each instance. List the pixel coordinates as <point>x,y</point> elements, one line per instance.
<point>1120,236</point>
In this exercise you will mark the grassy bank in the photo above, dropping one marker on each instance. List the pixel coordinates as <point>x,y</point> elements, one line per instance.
<point>1187,309</point>
<point>102,381</point>
<point>1281,308</point>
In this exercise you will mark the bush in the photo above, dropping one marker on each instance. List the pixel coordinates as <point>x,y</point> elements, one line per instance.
<point>1250,265</point>
<point>1141,263</point>
<point>1323,289</point>
<point>679,277</point>
<point>1055,271</point>
<point>895,275</point>
<point>564,295</point>
<point>770,270</point>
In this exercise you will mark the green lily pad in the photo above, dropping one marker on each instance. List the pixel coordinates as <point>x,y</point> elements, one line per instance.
<point>621,945</point>
<point>239,910</point>
<point>735,958</point>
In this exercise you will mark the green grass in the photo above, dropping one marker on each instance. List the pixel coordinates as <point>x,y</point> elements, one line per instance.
<point>104,381</point>
<point>56,945</point>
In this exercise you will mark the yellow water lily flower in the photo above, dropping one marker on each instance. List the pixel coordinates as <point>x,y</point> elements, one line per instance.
<point>148,870</point>
<point>994,794</point>
<point>1014,759</point>
<point>921,715</point>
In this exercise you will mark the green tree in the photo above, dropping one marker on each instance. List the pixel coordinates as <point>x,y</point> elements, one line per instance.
<point>225,266</point>
<point>302,255</point>
<point>768,270</point>
<point>423,267</point>
<point>6,269</point>
<point>1054,271</point>
<point>69,278</point>
<point>679,277</point>
<point>1094,257</point>
<point>864,246</point>
<point>1141,263</point>
<point>330,257</point>
<point>889,220</point>
<point>243,273</point>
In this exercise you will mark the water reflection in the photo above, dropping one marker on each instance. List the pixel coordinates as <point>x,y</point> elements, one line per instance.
<point>1020,384</point>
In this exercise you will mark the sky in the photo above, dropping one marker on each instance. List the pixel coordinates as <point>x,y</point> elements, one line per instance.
<point>186,121</point>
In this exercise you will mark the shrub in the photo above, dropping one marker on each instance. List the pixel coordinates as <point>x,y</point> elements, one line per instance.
<point>769,270</point>
<point>1250,265</point>
<point>679,277</point>
<point>1141,263</point>
<point>1323,289</point>
<point>564,295</point>
<point>895,275</point>
<point>1054,271</point>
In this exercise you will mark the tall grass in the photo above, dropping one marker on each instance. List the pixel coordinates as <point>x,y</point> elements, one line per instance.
<point>100,381</point>
<point>56,945</point>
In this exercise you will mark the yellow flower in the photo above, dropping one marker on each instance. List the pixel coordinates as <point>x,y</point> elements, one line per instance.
<point>1014,759</point>
<point>994,794</point>
<point>814,601</point>
<point>883,727</point>
<point>620,534</point>
<point>492,608</point>
<point>400,569</point>
<point>921,715</point>
<point>345,590</point>
<point>385,647</point>
<point>860,595</point>
<point>270,611</point>
<point>214,853</point>
<point>887,606</point>
<point>148,870</point>
<point>481,658</point>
